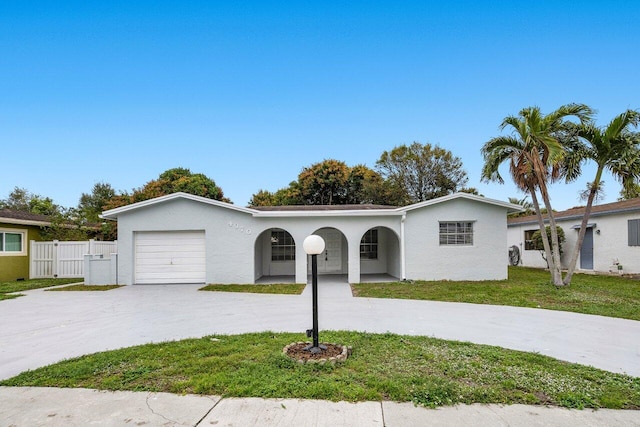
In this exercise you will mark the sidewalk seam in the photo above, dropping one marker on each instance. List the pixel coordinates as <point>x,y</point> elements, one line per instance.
<point>208,412</point>
<point>384,423</point>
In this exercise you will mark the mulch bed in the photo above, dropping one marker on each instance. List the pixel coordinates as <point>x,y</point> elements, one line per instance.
<point>334,353</point>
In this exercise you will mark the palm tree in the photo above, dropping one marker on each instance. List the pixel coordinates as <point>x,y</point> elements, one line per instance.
<point>524,203</point>
<point>536,151</point>
<point>614,148</point>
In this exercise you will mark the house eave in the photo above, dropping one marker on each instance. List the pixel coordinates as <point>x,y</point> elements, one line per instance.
<point>576,217</point>
<point>15,221</point>
<point>510,207</point>
<point>113,213</point>
<point>328,213</point>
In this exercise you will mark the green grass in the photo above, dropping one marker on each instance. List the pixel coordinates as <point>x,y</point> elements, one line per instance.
<point>526,287</point>
<point>274,288</point>
<point>7,288</point>
<point>83,288</point>
<point>426,371</point>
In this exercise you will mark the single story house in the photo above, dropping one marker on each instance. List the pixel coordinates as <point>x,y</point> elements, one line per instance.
<point>182,238</point>
<point>612,237</point>
<point>16,230</point>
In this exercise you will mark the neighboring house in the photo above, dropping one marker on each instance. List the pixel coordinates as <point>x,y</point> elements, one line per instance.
<point>612,236</point>
<point>181,238</point>
<point>16,230</point>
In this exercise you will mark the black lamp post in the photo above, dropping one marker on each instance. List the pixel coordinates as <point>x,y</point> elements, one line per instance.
<point>314,245</point>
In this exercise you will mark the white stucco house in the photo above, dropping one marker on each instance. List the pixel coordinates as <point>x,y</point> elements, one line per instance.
<point>612,237</point>
<point>181,238</point>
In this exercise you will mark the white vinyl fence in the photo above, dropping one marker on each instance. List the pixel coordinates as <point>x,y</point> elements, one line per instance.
<point>65,259</point>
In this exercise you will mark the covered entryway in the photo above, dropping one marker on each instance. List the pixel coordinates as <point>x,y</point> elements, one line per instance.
<point>275,257</point>
<point>331,261</point>
<point>380,255</point>
<point>168,257</point>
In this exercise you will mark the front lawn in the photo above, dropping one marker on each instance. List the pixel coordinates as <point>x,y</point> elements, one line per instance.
<point>611,296</point>
<point>426,371</point>
<point>84,288</point>
<point>7,288</point>
<point>272,288</point>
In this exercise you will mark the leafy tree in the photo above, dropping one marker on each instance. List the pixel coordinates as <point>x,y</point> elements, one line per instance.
<point>537,153</point>
<point>366,186</point>
<point>91,205</point>
<point>422,172</point>
<point>471,190</point>
<point>22,200</point>
<point>170,181</point>
<point>331,182</point>
<point>630,191</point>
<point>537,241</point>
<point>283,197</point>
<point>614,148</point>
<point>69,225</point>
<point>525,204</point>
<point>324,183</point>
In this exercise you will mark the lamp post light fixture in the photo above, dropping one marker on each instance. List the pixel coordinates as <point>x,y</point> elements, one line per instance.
<point>314,245</point>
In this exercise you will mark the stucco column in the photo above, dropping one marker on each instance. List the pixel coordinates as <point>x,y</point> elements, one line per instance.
<point>354,258</point>
<point>301,262</point>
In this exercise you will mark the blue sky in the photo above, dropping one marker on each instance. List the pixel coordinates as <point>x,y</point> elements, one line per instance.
<point>249,93</point>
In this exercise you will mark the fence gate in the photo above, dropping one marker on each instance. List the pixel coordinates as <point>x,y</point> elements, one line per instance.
<point>64,259</point>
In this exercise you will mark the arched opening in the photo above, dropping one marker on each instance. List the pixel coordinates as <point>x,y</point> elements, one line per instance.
<point>380,259</point>
<point>335,259</point>
<point>275,257</point>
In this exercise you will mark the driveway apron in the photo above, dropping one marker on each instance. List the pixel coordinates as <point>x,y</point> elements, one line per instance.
<point>45,327</point>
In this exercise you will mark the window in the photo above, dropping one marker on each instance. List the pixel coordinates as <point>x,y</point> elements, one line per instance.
<point>11,242</point>
<point>633,228</point>
<point>369,245</point>
<point>456,233</point>
<point>283,247</point>
<point>528,240</point>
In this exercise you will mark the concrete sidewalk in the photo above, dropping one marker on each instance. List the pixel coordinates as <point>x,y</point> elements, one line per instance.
<point>33,406</point>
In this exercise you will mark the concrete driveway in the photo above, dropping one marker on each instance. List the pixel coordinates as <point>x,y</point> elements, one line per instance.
<point>46,327</point>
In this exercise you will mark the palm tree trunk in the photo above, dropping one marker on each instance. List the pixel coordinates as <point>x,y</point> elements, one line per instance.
<point>583,227</point>
<point>543,234</point>
<point>556,265</point>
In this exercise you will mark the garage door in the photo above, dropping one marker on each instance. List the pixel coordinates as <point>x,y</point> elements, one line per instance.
<point>170,257</point>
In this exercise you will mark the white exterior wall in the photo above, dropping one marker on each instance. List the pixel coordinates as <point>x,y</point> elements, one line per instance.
<point>484,260</point>
<point>610,243</point>
<point>229,237</point>
<point>238,240</point>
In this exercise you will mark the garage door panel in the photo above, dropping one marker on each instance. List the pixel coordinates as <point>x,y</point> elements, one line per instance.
<point>153,246</point>
<point>170,257</point>
<point>170,260</point>
<point>174,269</point>
<point>170,235</point>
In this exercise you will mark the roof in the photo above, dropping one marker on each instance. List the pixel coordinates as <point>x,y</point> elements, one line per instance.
<point>322,208</point>
<point>578,212</point>
<point>113,213</point>
<point>310,210</point>
<point>9,216</point>
<point>509,206</point>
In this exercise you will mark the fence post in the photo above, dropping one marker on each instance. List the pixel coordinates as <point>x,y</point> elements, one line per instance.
<point>92,246</point>
<point>31,260</point>
<point>56,250</point>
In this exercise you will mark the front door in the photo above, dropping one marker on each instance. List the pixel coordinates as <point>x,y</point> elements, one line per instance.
<point>586,251</point>
<point>330,261</point>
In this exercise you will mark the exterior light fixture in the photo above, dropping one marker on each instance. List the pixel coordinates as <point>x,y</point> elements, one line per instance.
<point>314,245</point>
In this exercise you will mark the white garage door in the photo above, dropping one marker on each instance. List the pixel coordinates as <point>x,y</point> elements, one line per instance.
<point>170,257</point>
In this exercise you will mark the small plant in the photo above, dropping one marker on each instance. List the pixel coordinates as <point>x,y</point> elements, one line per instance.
<point>536,239</point>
